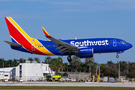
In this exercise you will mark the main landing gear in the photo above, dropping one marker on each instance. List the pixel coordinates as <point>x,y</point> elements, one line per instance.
<point>69,58</point>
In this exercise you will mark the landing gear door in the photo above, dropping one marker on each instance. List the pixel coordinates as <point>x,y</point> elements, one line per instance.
<point>114,43</point>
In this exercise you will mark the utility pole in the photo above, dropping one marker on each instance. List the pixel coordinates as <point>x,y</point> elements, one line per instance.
<point>99,71</point>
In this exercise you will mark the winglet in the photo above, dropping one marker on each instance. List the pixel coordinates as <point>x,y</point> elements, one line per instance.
<point>46,33</point>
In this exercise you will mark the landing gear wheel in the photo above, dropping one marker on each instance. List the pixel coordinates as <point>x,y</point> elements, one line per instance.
<point>69,59</point>
<point>117,56</point>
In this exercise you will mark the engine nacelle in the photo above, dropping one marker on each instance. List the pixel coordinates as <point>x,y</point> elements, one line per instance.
<point>85,52</point>
<point>86,56</point>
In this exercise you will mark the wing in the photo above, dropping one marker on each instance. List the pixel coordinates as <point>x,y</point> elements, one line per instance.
<point>63,46</point>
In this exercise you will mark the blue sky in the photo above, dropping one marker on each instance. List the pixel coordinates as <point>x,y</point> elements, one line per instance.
<point>69,19</point>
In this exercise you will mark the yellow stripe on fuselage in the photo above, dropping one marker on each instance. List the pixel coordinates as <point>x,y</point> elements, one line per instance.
<point>33,41</point>
<point>40,47</point>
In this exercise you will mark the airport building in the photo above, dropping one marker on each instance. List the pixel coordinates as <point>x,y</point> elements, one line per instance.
<point>26,71</point>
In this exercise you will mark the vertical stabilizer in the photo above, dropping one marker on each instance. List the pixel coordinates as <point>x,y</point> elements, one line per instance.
<point>19,37</point>
<point>16,32</point>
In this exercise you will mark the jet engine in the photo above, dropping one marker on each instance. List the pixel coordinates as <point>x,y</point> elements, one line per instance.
<point>85,52</point>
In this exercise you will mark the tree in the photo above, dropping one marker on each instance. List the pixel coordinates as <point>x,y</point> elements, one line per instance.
<point>37,59</point>
<point>9,63</point>
<point>65,67</point>
<point>111,65</point>
<point>52,65</point>
<point>2,62</point>
<point>60,64</point>
<point>80,67</point>
<point>15,63</point>
<point>107,71</point>
<point>84,68</point>
<point>21,60</point>
<point>30,59</point>
<point>75,62</point>
<point>47,60</point>
<point>56,64</point>
<point>89,61</point>
<point>123,67</point>
<point>131,73</point>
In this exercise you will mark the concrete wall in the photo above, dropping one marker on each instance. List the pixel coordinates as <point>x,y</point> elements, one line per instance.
<point>78,75</point>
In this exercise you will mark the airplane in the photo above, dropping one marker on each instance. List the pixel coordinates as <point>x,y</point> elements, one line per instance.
<point>83,48</point>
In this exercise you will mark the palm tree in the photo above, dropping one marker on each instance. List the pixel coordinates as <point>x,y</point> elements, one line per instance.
<point>37,59</point>
<point>15,63</point>
<point>89,61</point>
<point>76,62</point>
<point>9,63</point>
<point>30,59</point>
<point>52,65</point>
<point>47,60</point>
<point>65,67</point>
<point>61,67</point>
<point>60,64</point>
<point>56,64</point>
<point>2,62</point>
<point>84,68</point>
<point>22,60</point>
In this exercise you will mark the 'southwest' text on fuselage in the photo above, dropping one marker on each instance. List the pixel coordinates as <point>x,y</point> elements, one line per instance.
<point>89,43</point>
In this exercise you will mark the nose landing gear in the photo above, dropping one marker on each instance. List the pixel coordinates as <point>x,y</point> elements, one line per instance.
<point>117,56</point>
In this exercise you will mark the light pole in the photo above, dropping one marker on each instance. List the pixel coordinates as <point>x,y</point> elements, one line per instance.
<point>99,70</point>
<point>96,70</point>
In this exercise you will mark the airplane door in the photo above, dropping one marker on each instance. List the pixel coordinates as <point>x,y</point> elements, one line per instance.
<point>114,43</point>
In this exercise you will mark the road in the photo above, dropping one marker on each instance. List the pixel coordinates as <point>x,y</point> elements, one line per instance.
<point>68,84</point>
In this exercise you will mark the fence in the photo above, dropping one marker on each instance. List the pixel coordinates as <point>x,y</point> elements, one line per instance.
<point>78,75</point>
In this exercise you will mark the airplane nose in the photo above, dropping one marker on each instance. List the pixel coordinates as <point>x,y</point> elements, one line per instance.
<point>129,45</point>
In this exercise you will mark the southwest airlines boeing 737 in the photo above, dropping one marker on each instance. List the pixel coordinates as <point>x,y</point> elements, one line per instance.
<point>83,48</point>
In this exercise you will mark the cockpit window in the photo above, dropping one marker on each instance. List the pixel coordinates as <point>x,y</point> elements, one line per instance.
<point>123,41</point>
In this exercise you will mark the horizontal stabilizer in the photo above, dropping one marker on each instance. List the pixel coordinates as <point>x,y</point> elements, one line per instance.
<point>13,44</point>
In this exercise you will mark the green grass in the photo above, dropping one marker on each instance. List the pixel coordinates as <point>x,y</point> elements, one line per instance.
<point>62,88</point>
